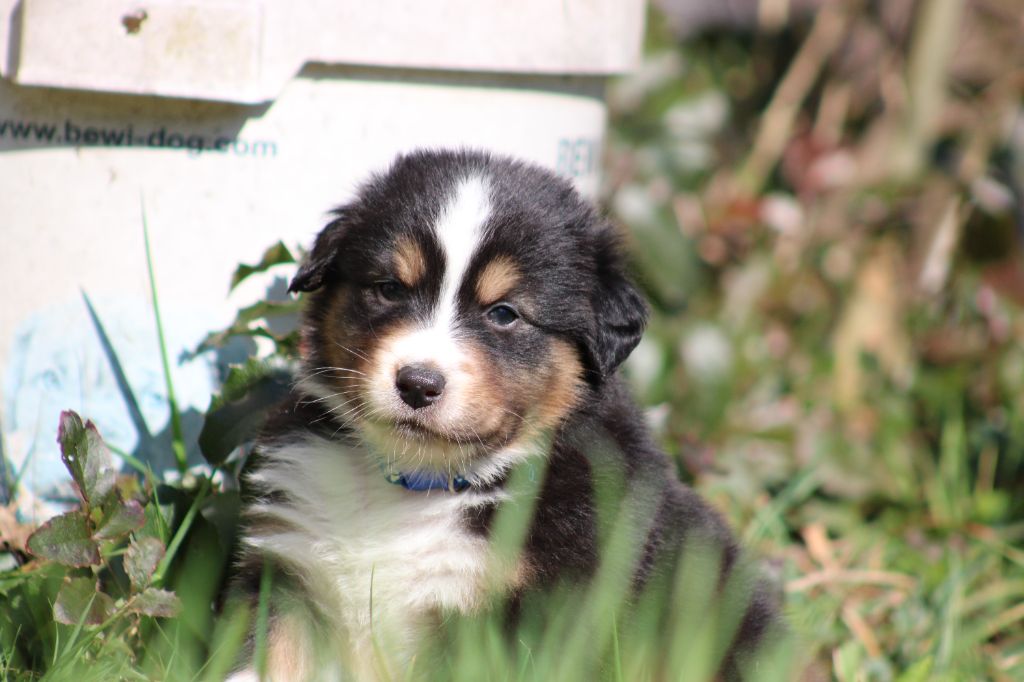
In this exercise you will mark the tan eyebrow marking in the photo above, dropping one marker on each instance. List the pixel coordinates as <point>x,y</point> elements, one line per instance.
<point>410,264</point>
<point>496,280</point>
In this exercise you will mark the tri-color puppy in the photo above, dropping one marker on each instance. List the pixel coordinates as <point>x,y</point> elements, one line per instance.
<point>466,314</point>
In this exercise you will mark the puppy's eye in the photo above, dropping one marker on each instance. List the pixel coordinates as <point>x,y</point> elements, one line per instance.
<point>389,290</point>
<point>502,315</point>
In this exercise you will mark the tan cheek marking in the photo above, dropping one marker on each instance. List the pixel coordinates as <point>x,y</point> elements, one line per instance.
<point>482,393</point>
<point>309,331</point>
<point>346,345</point>
<point>552,390</point>
<point>564,384</point>
<point>337,335</point>
<point>410,264</point>
<point>497,279</point>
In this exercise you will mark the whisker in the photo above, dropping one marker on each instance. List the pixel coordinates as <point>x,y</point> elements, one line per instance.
<point>358,354</point>
<point>354,409</point>
<point>360,411</point>
<point>317,400</point>
<point>514,414</point>
<point>331,412</point>
<point>323,398</point>
<point>323,370</point>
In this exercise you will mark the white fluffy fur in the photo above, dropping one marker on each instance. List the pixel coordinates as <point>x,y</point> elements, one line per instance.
<point>352,528</point>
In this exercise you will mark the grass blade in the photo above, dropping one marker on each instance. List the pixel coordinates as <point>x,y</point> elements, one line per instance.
<point>146,442</point>
<point>178,440</point>
<point>179,536</point>
<point>262,619</point>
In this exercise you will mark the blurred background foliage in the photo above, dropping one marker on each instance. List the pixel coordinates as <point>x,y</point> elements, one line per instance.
<point>826,202</point>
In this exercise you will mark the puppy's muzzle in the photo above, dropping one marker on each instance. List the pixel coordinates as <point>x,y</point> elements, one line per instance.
<point>419,386</point>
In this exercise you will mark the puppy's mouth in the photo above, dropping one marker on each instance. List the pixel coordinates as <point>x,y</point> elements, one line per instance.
<point>414,430</point>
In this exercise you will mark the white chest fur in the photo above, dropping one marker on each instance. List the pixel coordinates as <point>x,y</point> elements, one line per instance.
<point>376,558</point>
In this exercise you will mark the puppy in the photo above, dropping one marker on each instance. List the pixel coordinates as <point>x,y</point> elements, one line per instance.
<point>466,315</point>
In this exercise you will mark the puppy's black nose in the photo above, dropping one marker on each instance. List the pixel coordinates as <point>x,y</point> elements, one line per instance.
<point>419,386</point>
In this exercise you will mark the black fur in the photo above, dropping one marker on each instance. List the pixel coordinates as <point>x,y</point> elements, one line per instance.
<point>572,268</point>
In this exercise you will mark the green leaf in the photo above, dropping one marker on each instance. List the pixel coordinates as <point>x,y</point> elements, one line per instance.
<point>275,255</point>
<point>141,559</point>
<point>219,339</point>
<point>66,539</point>
<point>848,659</point>
<point>123,518</point>
<point>267,309</point>
<point>241,379</point>
<point>156,602</point>
<point>222,511</point>
<point>919,672</point>
<point>85,456</point>
<point>245,324</point>
<point>80,600</point>
<point>235,415</point>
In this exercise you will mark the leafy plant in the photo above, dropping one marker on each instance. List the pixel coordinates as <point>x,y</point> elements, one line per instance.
<point>110,522</point>
<point>252,321</point>
<point>237,411</point>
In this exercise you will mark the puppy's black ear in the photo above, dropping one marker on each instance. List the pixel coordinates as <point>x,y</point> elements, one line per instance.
<point>320,262</point>
<point>620,312</point>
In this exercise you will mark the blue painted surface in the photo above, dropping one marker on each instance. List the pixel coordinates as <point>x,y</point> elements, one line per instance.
<point>57,362</point>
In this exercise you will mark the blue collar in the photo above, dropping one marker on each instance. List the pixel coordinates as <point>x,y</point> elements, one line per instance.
<point>423,481</point>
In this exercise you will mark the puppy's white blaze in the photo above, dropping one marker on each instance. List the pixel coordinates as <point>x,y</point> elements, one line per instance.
<point>459,230</point>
